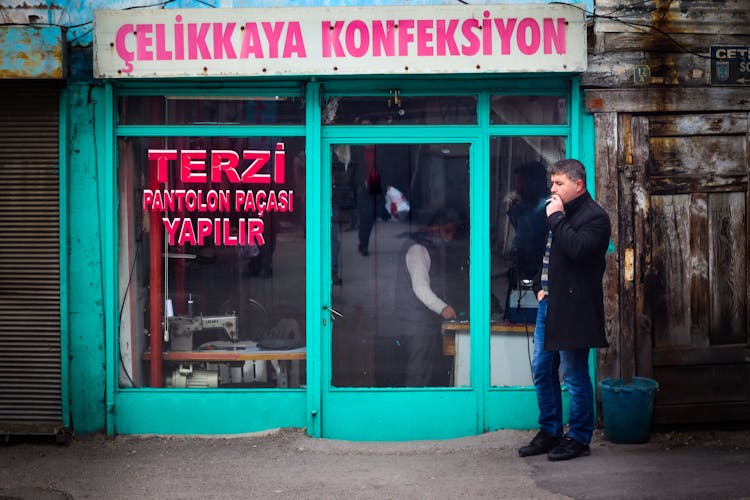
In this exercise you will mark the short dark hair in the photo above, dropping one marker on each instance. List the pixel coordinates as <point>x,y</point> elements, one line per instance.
<point>445,216</point>
<point>574,169</point>
<point>536,179</point>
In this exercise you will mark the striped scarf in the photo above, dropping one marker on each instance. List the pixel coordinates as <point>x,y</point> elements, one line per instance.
<point>545,263</point>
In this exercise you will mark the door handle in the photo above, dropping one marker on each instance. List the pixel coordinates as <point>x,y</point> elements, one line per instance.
<point>333,312</point>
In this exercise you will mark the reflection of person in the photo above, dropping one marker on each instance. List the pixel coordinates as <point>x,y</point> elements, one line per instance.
<point>367,189</point>
<point>300,173</point>
<point>342,202</point>
<point>262,264</point>
<point>420,284</point>
<point>526,214</point>
<point>570,319</point>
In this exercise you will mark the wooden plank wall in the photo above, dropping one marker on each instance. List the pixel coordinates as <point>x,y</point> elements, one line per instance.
<point>672,167</point>
<point>606,177</point>
<point>697,182</point>
<point>671,37</point>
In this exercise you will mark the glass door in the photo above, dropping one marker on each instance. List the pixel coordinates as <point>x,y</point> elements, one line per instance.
<point>399,261</point>
<point>414,344</point>
<point>399,280</point>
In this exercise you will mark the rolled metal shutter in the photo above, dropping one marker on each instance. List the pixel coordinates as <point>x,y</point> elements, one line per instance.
<point>30,363</point>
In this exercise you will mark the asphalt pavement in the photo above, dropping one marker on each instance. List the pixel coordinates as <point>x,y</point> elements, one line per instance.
<point>287,464</point>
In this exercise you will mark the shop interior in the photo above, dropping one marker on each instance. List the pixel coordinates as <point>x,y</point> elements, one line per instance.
<point>201,310</point>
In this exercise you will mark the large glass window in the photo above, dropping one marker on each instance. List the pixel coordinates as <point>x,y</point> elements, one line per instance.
<point>211,110</point>
<point>528,110</point>
<point>212,261</point>
<point>395,109</point>
<point>399,239</point>
<point>212,241</point>
<point>519,186</point>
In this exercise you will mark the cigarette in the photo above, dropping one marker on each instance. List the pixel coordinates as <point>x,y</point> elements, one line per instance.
<point>548,201</point>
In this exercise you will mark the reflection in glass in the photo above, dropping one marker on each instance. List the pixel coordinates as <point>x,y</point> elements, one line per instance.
<point>398,110</point>
<point>212,256</point>
<point>518,233</point>
<point>528,110</point>
<point>399,240</point>
<point>211,110</point>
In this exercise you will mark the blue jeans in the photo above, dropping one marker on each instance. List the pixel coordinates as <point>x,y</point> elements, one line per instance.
<point>575,370</point>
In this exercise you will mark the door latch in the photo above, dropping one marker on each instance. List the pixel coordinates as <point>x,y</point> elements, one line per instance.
<point>333,312</point>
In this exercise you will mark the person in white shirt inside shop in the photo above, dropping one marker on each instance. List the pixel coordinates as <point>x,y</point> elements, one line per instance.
<point>420,299</point>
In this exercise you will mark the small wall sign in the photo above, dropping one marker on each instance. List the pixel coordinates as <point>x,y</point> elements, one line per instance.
<point>730,65</point>
<point>641,74</point>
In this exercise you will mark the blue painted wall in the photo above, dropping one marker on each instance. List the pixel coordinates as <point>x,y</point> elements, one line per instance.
<point>77,16</point>
<point>85,296</point>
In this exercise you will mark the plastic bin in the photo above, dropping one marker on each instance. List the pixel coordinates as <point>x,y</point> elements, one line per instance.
<point>627,408</point>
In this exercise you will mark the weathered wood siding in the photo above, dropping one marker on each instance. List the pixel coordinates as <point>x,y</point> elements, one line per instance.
<point>672,163</point>
<point>672,37</point>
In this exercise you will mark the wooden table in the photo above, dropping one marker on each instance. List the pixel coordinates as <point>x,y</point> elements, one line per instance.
<point>449,329</point>
<point>282,358</point>
<point>226,356</point>
<point>509,347</point>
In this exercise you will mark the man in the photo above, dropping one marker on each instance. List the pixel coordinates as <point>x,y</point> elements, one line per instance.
<point>570,319</point>
<point>421,288</point>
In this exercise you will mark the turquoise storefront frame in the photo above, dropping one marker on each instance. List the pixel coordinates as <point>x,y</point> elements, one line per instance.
<point>194,411</point>
<point>160,411</point>
<point>492,407</point>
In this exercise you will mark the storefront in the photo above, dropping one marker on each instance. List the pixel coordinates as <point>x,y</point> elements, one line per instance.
<point>269,172</point>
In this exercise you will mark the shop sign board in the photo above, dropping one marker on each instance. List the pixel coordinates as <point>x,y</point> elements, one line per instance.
<point>730,65</point>
<point>434,39</point>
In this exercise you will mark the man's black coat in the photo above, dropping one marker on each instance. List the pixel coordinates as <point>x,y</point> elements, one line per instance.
<point>575,308</point>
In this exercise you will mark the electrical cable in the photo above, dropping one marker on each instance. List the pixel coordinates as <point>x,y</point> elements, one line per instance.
<point>160,4</point>
<point>165,266</point>
<point>122,305</point>
<point>525,323</point>
<point>643,27</point>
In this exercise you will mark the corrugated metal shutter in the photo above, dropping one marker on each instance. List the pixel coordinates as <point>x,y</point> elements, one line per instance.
<point>30,375</point>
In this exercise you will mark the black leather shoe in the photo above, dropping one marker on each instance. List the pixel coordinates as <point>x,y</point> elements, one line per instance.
<point>567,449</point>
<point>542,443</point>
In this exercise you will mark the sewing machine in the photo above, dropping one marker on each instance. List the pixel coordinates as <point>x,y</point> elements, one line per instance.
<point>182,328</point>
